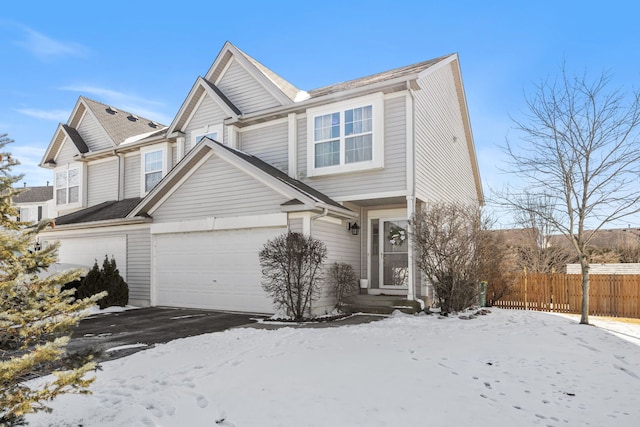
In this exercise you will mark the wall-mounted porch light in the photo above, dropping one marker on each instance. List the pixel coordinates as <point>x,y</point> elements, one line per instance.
<point>354,228</point>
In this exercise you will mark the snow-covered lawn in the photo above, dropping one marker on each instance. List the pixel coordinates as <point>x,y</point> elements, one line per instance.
<point>509,368</point>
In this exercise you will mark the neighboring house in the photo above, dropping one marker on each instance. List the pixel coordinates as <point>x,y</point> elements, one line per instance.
<point>185,209</point>
<point>34,203</point>
<point>613,268</point>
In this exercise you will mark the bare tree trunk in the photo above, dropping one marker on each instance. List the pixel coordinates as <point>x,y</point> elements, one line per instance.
<point>584,266</point>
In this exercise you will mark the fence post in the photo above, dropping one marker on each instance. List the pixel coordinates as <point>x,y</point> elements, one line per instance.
<point>526,304</point>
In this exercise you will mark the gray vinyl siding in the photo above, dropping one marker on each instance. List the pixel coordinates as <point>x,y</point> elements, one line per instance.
<point>342,246</point>
<point>218,189</point>
<point>139,265</point>
<point>102,182</point>
<point>391,178</point>
<point>295,225</point>
<point>132,176</point>
<point>301,139</point>
<point>174,156</point>
<point>208,113</point>
<point>93,133</point>
<point>67,151</point>
<point>268,143</point>
<point>244,91</point>
<point>443,166</point>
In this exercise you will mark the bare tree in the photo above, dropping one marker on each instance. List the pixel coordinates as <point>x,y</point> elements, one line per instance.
<point>538,249</point>
<point>292,272</point>
<point>580,153</point>
<point>447,237</point>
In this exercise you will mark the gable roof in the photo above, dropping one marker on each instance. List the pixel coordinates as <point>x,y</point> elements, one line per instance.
<point>110,210</point>
<point>33,194</point>
<point>198,90</point>
<point>260,170</point>
<point>119,124</point>
<point>63,132</point>
<point>281,89</point>
<point>281,176</point>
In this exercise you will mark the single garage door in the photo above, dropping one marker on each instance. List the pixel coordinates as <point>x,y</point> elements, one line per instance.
<point>216,270</point>
<point>87,250</point>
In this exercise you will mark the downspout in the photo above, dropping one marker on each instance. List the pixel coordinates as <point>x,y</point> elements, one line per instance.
<point>324,213</point>
<point>411,201</point>
<point>120,175</point>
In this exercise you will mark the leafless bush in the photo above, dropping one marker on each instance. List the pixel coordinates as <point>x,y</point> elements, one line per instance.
<point>447,238</point>
<point>344,281</point>
<point>292,272</point>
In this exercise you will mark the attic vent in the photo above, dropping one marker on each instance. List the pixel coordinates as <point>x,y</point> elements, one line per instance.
<point>132,118</point>
<point>111,110</point>
<point>153,124</point>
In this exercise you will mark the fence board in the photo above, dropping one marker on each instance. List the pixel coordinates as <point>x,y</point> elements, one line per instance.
<point>609,294</point>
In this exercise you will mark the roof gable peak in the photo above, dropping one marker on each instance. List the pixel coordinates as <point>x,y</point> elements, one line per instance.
<point>284,91</point>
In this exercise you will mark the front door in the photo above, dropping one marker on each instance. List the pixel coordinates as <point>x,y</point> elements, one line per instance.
<point>389,255</point>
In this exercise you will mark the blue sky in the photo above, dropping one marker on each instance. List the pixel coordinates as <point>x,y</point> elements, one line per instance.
<point>144,56</point>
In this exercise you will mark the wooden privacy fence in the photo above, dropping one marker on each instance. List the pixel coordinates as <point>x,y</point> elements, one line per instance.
<point>614,295</point>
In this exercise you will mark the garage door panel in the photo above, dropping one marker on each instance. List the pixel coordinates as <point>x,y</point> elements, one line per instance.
<point>87,250</point>
<point>215,269</point>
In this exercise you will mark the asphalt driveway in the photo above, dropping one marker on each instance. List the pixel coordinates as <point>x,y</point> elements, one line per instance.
<point>124,333</point>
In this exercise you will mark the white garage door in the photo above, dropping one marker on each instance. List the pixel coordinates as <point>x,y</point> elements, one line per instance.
<point>87,250</point>
<point>216,270</point>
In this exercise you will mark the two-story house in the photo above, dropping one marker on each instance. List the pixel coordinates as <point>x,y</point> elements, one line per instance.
<point>34,203</point>
<point>185,208</point>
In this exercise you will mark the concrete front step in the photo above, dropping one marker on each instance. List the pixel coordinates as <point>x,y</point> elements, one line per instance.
<point>379,304</point>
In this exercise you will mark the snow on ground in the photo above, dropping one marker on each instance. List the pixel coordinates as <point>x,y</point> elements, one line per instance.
<point>504,369</point>
<point>95,310</point>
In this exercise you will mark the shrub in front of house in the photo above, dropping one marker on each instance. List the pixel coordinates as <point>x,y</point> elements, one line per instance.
<point>344,282</point>
<point>107,279</point>
<point>292,272</point>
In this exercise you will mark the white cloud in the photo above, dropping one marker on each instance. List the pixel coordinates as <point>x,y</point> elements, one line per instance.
<point>54,115</point>
<point>144,107</point>
<point>45,47</point>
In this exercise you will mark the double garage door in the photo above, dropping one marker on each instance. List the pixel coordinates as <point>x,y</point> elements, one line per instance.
<point>216,270</point>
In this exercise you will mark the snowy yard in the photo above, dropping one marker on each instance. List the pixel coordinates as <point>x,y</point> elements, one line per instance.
<point>504,369</point>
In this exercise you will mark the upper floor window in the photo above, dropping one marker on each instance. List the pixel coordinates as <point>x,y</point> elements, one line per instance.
<point>346,136</point>
<point>155,163</point>
<point>212,131</point>
<point>67,185</point>
<point>152,169</point>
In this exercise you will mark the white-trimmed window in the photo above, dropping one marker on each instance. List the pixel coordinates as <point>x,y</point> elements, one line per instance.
<point>212,131</point>
<point>154,166</point>
<point>67,186</point>
<point>346,136</point>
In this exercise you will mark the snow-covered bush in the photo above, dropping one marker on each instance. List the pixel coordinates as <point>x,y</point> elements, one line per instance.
<point>292,272</point>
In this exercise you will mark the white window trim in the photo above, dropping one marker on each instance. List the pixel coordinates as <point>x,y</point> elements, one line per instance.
<point>166,160</point>
<point>81,180</point>
<point>219,128</point>
<point>376,100</point>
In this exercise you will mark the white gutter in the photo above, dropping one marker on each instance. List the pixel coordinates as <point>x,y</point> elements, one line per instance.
<point>311,102</point>
<point>103,223</point>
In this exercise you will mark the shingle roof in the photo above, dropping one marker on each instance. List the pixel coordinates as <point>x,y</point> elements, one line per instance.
<point>34,195</point>
<point>375,78</point>
<point>278,174</point>
<point>120,124</point>
<point>76,138</point>
<point>223,97</point>
<point>102,212</point>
